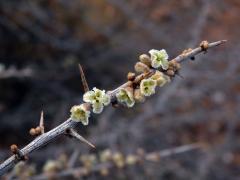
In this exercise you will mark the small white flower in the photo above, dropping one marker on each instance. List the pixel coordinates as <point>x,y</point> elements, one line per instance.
<point>98,98</point>
<point>79,113</point>
<point>126,96</point>
<point>147,86</point>
<point>159,58</point>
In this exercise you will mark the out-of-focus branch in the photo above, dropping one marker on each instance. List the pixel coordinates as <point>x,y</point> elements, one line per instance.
<point>125,160</point>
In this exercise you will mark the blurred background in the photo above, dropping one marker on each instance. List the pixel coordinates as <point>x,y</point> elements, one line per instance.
<point>42,42</point>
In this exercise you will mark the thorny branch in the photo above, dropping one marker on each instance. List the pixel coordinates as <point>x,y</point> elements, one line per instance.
<point>61,129</point>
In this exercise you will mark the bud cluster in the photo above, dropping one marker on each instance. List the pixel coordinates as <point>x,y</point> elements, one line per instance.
<point>150,77</point>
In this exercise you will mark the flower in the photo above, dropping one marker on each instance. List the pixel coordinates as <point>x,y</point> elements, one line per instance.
<point>161,78</point>
<point>159,58</point>
<point>105,155</point>
<point>79,113</point>
<point>51,166</point>
<point>118,159</point>
<point>98,98</point>
<point>147,86</point>
<point>126,96</point>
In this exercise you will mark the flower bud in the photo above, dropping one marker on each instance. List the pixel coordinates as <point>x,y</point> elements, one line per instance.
<point>14,148</point>
<point>161,78</point>
<point>204,45</point>
<point>106,155</point>
<point>141,68</point>
<point>88,160</point>
<point>131,159</point>
<point>38,130</point>
<point>170,72</point>
<point>118,159</point>
<point>131,76</point>
<point>32,132</point>
<point>138,96</point>
<point>145,59</point>
<point>174,65</point>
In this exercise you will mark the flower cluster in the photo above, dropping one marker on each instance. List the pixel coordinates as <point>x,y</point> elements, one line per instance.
<point>136,92</point>
<point>97,98</point>
<point>80,113</point>
<point>159,58</point>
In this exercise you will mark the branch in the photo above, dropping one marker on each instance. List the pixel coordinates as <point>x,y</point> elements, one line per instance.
<point>61,129</point>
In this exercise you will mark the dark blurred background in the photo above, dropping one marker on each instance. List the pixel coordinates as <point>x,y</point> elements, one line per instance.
<point>42,42</point>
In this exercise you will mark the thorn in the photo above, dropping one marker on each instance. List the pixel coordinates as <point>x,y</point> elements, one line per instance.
<point>74,133</point>
<point>83,78</point>
<point>41,123</point>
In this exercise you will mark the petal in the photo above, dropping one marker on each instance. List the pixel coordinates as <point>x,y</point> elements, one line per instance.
<point>121,95</point>
<point>130,103</point>
<point>164,53</point>
<point>85,121</point>
<point>106,99</point>
<point>156,63</point>
<point>98,93</point>
<point>165,64</point>
<point>152,82</point>
<point>97,108</point>
<point>80,114</point>
<point>88,96</point>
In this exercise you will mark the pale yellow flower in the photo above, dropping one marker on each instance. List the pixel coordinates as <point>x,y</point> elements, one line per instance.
<point>126,96</point>
<point>80,114</point>
<point>97,98</point>
<point>159,58</point>
<point>147,86</point>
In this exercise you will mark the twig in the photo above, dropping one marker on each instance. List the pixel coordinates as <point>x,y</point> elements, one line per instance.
<point>46,137</point>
